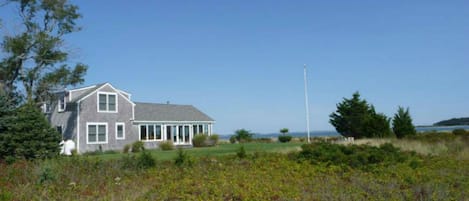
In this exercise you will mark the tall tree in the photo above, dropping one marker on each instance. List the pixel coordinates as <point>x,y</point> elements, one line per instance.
<point>402,123</point>
<point>351,116</point>
<point>35,56</point>
<point>356,118</point>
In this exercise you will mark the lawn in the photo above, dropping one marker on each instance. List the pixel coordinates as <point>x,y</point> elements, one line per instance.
<point>220,150</point>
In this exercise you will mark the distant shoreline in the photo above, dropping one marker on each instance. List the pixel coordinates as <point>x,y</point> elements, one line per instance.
<point>335,133</point>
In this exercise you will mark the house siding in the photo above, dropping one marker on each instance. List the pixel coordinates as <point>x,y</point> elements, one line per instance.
<point>89,114</point>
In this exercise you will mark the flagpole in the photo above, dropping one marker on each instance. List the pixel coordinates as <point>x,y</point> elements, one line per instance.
<point>306,103</point>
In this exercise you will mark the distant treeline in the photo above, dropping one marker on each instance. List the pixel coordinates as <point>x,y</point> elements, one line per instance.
<point>453,122</point>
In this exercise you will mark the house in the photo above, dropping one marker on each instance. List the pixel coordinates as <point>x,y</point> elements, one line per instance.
<point>102,117</point>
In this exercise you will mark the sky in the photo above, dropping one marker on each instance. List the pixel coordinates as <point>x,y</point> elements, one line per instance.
<point>241,62</point>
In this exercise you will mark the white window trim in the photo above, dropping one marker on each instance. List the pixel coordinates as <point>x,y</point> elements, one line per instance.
<point>123,131</point>
<point>97,129</point>
<point>154,126</point>
<point>58,104</point>
<point>107,102</point>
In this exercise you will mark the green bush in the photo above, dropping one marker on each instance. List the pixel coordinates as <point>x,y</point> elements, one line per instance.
<point>241,153</point>
<point>166,145</point>
<point>28,135</point>
<point>145,160</point>
<point>214,138</point>
<point>126,149</point>
<point>459,132</point>
<point>354,156</point>
<point>243,135</point>
<point>183,159</point>
<point>284,138</point>
<point>138,146</point>
<point>233,139</point>
<point>262,140</point>
<point>199,140</point>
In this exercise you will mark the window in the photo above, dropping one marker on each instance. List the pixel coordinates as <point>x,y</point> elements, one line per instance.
<point>143,132</point>
<point>120,131</point>
<point>107,102</point>
<point>59,129</point>
<point>61,104</point>
<point>158,132</point>
<point>96,133</point>
<point>151,132</point>
<point>46,108</point>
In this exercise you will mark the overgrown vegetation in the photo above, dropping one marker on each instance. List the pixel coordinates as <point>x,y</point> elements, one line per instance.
<point>203,140</point>
<point>320,171</point>
<point>166,145</point>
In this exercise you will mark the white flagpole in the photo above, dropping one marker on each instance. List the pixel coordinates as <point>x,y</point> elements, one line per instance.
<point>306,103</point>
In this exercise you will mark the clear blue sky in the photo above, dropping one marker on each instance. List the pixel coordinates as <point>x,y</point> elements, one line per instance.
<point>241,62</point>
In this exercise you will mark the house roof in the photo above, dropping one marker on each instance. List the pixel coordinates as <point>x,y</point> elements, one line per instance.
<point>168,112</point>
<point>87,91</point>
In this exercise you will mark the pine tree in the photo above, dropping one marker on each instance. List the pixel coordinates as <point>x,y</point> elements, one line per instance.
<point>402,123</point>
<point>28,135</point>
<point>356,118</point>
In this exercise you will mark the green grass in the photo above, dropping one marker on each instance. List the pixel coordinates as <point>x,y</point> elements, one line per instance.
<point>220,150</point>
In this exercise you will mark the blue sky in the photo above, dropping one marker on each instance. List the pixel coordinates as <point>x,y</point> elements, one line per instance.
<point>241,62</point>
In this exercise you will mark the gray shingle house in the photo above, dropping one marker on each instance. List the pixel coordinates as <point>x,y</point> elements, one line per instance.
<point>104,117</point>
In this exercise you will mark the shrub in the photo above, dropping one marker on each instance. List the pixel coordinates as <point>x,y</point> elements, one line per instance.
<point>145,160</point>
<point>459,132</point>
<point>243,135</point>
<point>215,138</point>
<point>263,140</point>
<point>167,145</point>
<point>241,153</point>
<point>28,134</point>
<point>233,139</point>
<point>126,149</point>
<point>284,138</point>
<point>199,140</point>
<point>361,157</point>
<point>138,146</point>
<point>183,159</point>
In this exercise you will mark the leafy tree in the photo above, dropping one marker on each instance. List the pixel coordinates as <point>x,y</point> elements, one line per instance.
<point>356,118</point>
<point>243,135</point>
<point>35,56</point>
<point>402,123</point>
<point>284,131</point>
<point>29,135</point>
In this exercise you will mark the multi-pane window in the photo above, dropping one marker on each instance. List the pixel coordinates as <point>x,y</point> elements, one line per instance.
<point>61,104</point>
<point>107,102</point>
<point>97,133</point>
<point>120,131</point>
<point>150,132</point>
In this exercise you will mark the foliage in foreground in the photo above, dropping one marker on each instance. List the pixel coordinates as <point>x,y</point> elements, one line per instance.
<point>233,178</point>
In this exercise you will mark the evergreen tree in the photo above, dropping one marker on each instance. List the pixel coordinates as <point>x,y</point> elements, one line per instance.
<point>356,118</point>
<point>351,116</point>
<point>402,123</point>
<point>28,135</point>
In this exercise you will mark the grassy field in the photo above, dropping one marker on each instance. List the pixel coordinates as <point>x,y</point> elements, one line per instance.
<point>436,169</point>
<point>220,150</point>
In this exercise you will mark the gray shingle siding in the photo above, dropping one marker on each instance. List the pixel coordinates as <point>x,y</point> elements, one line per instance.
<point>82,109</point>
